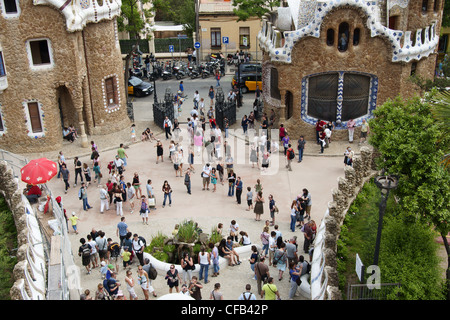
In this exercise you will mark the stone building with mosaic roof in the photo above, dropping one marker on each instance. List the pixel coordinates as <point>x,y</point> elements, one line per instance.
<point>60,65</point>
<point>337,60</point>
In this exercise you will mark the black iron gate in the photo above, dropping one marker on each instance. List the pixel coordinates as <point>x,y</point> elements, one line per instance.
<point>163,109</point>
<point>224,109</point>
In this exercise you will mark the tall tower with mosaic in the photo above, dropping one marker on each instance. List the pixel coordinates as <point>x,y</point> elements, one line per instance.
<point>63,67</point>
<point>337,60</point>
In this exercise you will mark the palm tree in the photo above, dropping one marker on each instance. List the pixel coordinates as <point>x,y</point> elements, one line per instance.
<point>440,106</point>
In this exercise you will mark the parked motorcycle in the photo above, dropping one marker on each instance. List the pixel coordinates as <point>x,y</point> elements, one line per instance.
<point>167,74</point>
<point>204,71</point>
<point>194,72</point>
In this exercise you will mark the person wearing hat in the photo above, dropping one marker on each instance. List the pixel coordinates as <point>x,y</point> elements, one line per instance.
<point>74,219</point>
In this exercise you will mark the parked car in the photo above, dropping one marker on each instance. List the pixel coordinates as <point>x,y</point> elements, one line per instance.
<point>248,82</point>
<point>139,88</point>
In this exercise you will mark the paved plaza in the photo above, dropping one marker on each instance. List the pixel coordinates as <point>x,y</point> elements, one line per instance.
<point>317,173</point>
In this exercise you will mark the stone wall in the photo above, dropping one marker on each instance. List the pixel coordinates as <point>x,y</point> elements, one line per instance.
<point>29,272</point>
<point>348,188</point>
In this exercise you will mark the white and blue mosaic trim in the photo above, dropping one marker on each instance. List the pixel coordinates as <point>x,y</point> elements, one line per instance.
<point>270,38</point>
<point>339,125</point>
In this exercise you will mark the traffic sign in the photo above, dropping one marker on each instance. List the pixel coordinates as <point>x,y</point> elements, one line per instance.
<point>197,45</point>
<point>171,48</point>
<point>225,40</point>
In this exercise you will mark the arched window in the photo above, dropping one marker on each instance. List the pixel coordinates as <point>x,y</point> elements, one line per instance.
<point>289,103</point>
<point>356,36</point>
<point>274,91</point>
<point>424,6</point>
<point>344,35</point>
<point>413,38</point>
<point>436,5</point>
<point>330,37</point>
<point>413,68</point>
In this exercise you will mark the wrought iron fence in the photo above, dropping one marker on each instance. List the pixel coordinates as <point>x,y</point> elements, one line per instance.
<point>163,109</point>
<point>362,291</point>
<point>162,45</point>
<point>224,109</point>
<point>127,45</point>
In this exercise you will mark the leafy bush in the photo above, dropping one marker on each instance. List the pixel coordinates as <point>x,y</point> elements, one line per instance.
<point>215,237</point>
<point>409,256</point>
<point>156,242</point>
<point>187,232</point>
<point>169,248</point>
<point>8,241</point>
<point>408,252</point>
<point>161,256</point>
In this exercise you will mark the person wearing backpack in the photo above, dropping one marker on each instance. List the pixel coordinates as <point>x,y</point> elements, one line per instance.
<point>290,155</point>
<point>247,295</point>
<point>113,253</point>
<point>85,253</point>
<point>138,248</point>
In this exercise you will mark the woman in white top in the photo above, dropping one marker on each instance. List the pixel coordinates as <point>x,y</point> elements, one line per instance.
<point>245,240</point>
<point>204,259</point>
<point>143,281</point>
<point>234,228</point>
<point>294,210</point>
<point>130,285</point>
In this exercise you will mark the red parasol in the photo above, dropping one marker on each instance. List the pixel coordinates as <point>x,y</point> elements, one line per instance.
<point>39,171</point>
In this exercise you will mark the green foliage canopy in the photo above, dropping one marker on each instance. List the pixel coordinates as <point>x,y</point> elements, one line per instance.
<point>246,9</point>
<point>412,147</point>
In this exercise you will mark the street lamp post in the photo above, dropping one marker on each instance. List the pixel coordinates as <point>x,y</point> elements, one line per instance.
<point>385,183</point>
<point>155,98</point>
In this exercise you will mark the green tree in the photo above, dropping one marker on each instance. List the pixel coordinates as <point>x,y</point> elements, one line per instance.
<point>179,11</point>
<point>133,20</point>
<point>446,14</point>
<point>246,9</point>
<point>412,146</point>
<point>441,112</point>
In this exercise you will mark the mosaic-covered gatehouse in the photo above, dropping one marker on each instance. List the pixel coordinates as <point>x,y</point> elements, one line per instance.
<point>336,60</point>
<point>60,65</point>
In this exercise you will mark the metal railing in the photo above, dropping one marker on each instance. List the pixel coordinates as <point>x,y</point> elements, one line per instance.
<point>363,292</point>
<point>16,162</point>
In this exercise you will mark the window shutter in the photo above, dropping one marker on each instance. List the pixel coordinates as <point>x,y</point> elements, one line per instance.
<point>110,92</point>
<point>35,117</point>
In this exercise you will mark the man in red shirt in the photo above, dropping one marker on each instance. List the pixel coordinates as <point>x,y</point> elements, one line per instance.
<point>320,125</point>
<point>282,132</point>
<point>33,193</point>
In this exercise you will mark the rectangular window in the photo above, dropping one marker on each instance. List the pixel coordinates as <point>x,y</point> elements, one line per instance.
<point>244,37</point>
<point>110,89</point>
<point>216,41</point>
<point>35,117</point>
<point>2,66</point>
<point>40,53</point>
<point>10,6</point>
